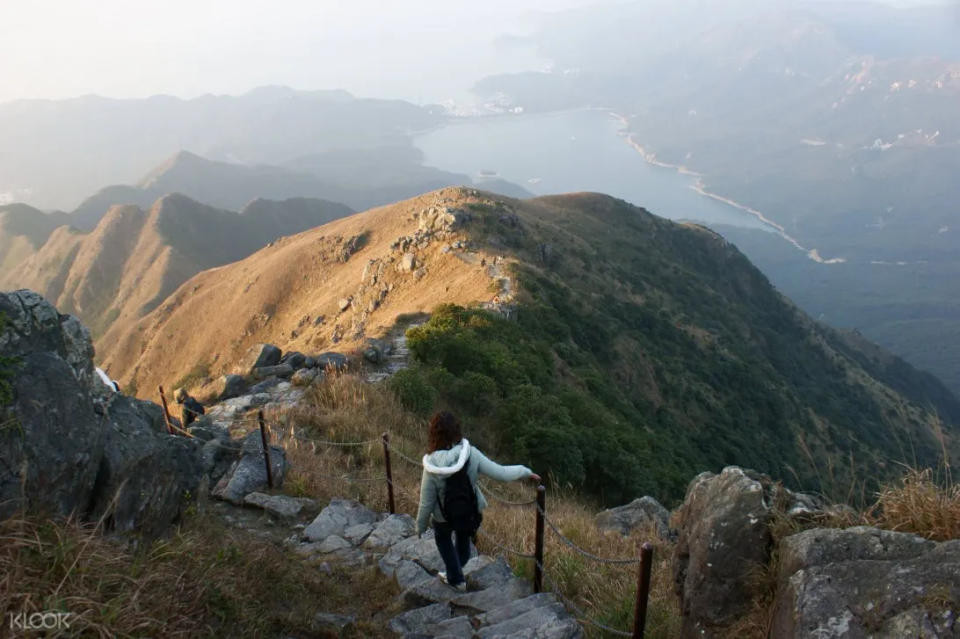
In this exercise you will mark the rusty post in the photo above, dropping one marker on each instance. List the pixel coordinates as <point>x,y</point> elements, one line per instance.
<point>386,461</point>
<point>266,448</point>
<point>538,549</point>
<point>166,411</point>
<point>643,590</point>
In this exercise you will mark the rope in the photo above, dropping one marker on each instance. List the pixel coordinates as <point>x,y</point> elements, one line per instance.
<point>501,500</point>
<point>581,615</point>
<point>324,442</point>
<point>585,553</point>
<point>500,546</point>
<point>400,454</point>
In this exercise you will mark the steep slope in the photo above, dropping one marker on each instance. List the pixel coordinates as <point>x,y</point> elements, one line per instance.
<point>360,178</point>
<point>641,351</point>
<point>23,230</point>
<point>133,258</point>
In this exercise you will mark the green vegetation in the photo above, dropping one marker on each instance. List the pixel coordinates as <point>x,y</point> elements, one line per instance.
<point>199,372</point>
<point>645,352</point>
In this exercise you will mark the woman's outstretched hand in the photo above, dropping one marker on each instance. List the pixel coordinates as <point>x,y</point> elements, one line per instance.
<point>535,478</point>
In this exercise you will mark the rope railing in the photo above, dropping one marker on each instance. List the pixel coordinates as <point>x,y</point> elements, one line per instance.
<point>580,614</point>
<point>393,449</point>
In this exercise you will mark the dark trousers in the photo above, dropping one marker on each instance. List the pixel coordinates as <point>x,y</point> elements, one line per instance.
<point>455,554</point>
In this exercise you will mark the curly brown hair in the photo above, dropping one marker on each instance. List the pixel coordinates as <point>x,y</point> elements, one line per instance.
<point>444,432</point>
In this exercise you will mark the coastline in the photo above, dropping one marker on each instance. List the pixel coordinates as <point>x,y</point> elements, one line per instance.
<point>651,158</point>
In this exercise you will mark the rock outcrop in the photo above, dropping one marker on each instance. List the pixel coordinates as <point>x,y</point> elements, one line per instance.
<point>723,539</point>
<point>70,446</point>
<point>641,512</point>
<point>865,582</point>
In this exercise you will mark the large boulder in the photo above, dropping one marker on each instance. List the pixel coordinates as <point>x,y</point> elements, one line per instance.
<point>331,360</point>
<point>865,582</point>
<point>640,513</point>
<point>249,473</point>
<point>70,448</point>
<point>723,539</point>
<point>258,356</point>
<point>229,386</point>
<point>143,475</point>
<point>52,441</point>
<point>337,517</point>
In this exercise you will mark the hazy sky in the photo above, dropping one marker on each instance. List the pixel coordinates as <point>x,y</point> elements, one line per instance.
<point>401,48</point>
<point>420,50</point>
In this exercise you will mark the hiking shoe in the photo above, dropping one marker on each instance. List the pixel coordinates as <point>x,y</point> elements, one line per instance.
<point>461,587</point>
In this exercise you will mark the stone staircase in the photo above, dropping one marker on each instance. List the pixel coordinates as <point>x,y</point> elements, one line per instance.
<point>497,605</point>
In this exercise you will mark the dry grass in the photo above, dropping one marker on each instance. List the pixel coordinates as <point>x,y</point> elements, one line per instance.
<point>345,408</point>
<point>921,505</point>
<point>207,580</point>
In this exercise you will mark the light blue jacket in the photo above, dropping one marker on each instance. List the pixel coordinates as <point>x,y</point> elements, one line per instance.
<point>440,464</point>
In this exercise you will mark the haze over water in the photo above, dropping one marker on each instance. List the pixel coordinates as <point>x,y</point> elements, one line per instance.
<point>573,151</point>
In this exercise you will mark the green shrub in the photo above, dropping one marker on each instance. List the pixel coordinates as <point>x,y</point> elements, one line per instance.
<point>413,391</point>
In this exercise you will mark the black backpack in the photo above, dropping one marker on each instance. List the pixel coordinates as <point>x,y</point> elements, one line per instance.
<point>459,505</point>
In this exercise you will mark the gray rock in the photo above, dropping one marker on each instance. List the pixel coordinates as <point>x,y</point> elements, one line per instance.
<point>516,608</point>
<point>331,622</point>
<point>496,573</point>
<point>418,619</point>
<point>143,477</point>
<point>306,376</point>
<point>309,361</point>
<point>296,359</point>
<point>227,386</point>
<point>344,303</point>
<point>485,600</point>
<point>279,506</point>
<point>332,544</point>
<point>339,515</point>
<point>645,511</point>
<point>408,574</point>
<point>551,621</point>
<point>420,550</point>
<point>282,371</point>
<point>455,627</point>
<point>357,533</point>
<point>249,474</point>
<point>376,350</point>
<point>408,262</point>
<point>218,455</point>
<point>258,356</point>
<point>47,462</point>
<point>391,530</point>
<point>724,537</point>
<point>823,546</point>
<point>267,387</point>
<point>886,591</point>
<point>336,361</point>
<point>425,593</point>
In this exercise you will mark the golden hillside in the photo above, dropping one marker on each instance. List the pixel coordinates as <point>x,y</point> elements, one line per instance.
<point>134,259</point>
<point>290,292</point>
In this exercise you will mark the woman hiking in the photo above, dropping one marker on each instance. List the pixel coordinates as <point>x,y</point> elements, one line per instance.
<point>449,494</point>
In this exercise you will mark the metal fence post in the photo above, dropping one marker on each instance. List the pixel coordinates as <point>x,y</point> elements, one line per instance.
<point>386,460</point>
<point>266,448</point>
<point>643,590</point>
<point>538,550</point>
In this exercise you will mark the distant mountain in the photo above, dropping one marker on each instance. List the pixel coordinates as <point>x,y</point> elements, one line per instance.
<point>23,230</point>
<point>133,259</point>
<point>838,121</point>
<point>61,151</point>
<point>639,351</point>
<point>359,178</point>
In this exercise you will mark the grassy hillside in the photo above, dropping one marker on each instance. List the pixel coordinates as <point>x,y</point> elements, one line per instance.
<point>23,230</point>
<point>642,351</point>
<point>134,259</point>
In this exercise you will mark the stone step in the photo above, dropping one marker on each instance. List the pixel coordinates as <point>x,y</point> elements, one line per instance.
<point>545,622</point>
<point>482,601</point>
<point>418,619</point>
<point>515,608</point>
